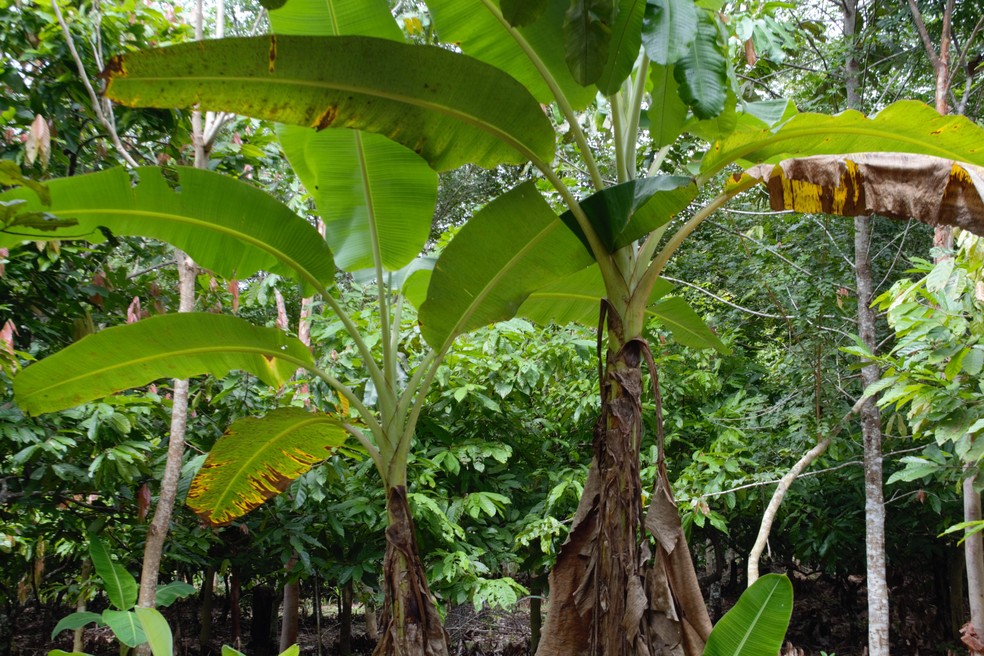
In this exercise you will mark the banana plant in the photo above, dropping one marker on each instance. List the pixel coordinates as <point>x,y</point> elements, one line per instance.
<point>342,65</point>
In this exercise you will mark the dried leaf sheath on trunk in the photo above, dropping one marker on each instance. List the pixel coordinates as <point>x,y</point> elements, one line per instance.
<point>609,593</point>
<point>411,625</point>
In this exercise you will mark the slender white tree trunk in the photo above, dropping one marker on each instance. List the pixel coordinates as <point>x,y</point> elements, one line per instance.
<point>874,499</point>
<point>974,553</point>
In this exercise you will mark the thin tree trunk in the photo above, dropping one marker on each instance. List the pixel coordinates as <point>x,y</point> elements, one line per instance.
<point>536,612</point>
<point>974,554</point>
<point>205,609</point>
<point>235,610</point>
<point>292,601</point>
<point>77,635</point>
<point>874,506</point>
<point>261,624</point>
<point>878,608</point>
<point>769,516</point>
<point>372,623</point>
<point>345,621</point>
<point>609,595</point>
<point>317,609</point>
<point>411,625</point>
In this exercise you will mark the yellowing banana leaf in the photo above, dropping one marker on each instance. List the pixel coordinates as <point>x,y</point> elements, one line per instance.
<point>933,190</point>
<point>906,127</point>
<point>225,225</point>
<point>167,346</point>
<point>447,107</point>
<point>257,458</point>
<point>509,249</point>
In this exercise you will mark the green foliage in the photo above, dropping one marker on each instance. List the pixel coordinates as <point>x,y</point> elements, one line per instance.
<point>131,626</point>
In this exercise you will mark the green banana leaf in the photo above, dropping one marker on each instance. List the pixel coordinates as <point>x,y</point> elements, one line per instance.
<point>480,31</point>
<point>257,459</point>
<point>906,127</point>
<point>375,196</point>
<point>624,213</point>
<point>167,346</point>
<point>587,36</point>
<point>702,72</point>
<point>577,298</point>
<point>510,248</point>
<point>156,629</point>
<point>757,624</point>
<point>685,325</point>
<point>449,108</point>
<point>75,621</point>
<point>668,29</point>
<point>225,225</point>
<point>336,17</point>
<point>522,12</point>
<point>668,113</point>
<point>623,51</point>
<point>119,584</point>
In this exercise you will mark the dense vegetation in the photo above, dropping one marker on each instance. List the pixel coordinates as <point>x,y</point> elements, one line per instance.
<point>410,448</point>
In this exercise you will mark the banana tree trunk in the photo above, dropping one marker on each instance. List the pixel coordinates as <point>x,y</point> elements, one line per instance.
<point>410,623</point>
<point>610,593</point>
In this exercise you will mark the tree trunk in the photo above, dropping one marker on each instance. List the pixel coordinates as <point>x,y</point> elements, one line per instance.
<point>205,609</point>
<point>411,625</point>
<point>372,623</point>
<point>235,610</point>
<point>292,600</point>
<point>974,553</point>
<point>874,505</point>
<point>261,626</point>
<point>536,612</point>
<point>609,594</point>
<point>345,621</point>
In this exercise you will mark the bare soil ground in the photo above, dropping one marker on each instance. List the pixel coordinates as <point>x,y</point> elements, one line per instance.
<point>827,618</point>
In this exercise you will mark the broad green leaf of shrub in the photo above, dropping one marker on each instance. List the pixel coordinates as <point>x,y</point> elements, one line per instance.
<point>171,592</point>
<point>119,584</point>
<point>166,346</point>
<point>75,621</point>
<point>157,631</point>
<point>449,108</point>
<point>257,458</point>
<point>126,626</point>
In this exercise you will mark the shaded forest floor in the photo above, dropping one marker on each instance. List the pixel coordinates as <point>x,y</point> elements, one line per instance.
<point>827,617</point>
